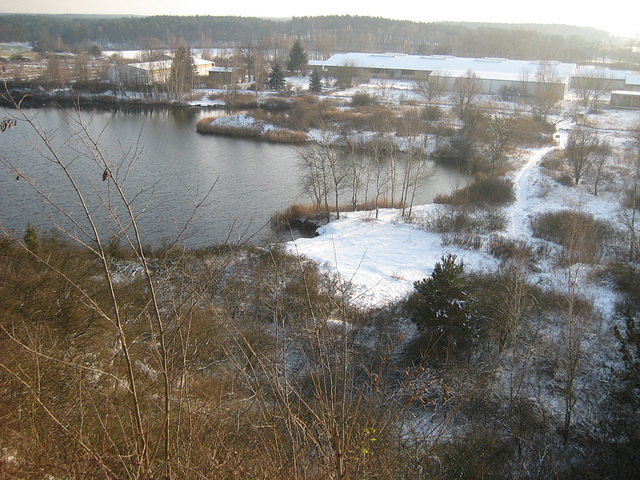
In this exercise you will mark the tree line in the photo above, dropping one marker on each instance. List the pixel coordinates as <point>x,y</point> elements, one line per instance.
<point>324,35</point>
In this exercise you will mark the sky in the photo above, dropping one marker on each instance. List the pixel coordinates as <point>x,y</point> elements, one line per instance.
<point>569,12</point>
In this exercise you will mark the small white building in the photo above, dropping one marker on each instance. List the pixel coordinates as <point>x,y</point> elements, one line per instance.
<point>625,99</point>
<point>632,82</point>
<point>158,71</point>
<point>611,79</point>
<point>495,74</point>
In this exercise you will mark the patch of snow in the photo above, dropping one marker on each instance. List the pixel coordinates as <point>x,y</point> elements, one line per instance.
<point>381,258</point>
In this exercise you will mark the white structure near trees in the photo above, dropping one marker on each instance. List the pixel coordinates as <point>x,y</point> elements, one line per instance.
<point>145,73</point>
<point>495,74</point>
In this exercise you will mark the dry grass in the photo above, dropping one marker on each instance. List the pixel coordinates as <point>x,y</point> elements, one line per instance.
<point>205,126</point>
<point>284,136</point>
<point>294,215</point>
<point>279,136</point>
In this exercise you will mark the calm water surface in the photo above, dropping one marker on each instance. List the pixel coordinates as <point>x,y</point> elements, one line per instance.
<point>173,168</point>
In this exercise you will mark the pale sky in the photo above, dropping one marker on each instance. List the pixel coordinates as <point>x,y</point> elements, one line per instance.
<point>610,17</point>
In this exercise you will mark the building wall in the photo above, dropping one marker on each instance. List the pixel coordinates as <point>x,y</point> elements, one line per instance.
<point>625,99</point>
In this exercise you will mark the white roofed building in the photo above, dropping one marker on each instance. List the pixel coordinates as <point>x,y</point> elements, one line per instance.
<point>143,73</point>
<point>495,74</point>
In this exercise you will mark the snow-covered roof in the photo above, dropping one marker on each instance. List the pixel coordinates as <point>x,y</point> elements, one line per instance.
<point>221,69</point>
<point>156,65</point>
<point>201,61</point>
<point>165,64</point>
<point>628,93</point>
<point>589,72</point>
<point>632,79</point>
<point>488,67</point>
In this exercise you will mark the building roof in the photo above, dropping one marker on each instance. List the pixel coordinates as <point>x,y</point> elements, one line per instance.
<point>221,69</point>
<point>155,65</point>
<point>589,72</point>
<point>166,64</point>
<point>626,93</point>
<point>488,67</point>
<point>632,79</point>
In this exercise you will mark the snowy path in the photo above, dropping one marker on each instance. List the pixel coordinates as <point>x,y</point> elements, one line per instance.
<point>518,211</point>
<point>381,258</point>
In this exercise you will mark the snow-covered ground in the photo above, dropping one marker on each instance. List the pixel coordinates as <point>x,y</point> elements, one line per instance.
<point>381,258</point>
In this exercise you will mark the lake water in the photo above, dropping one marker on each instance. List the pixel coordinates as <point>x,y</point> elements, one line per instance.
<point>174,165</point>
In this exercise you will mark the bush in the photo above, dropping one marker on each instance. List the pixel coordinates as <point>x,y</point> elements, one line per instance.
<point>582,234</point>
<point>506,249</point>
<point>276,104</point>
<point>483,192</point>
<point>297,216</point>
<point>630,201</point>
<point>362,99</point>
<point>466,220</point>
<point>626,278</point>
<point>431,113</point>
<point>241,101</point>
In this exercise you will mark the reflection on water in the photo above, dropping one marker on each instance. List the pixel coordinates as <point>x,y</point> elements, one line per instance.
<point>166,168</point>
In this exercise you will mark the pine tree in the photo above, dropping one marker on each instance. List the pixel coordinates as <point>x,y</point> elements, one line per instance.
<point>31,239</point>
<point>315,82</point>
<point>297,58</point>
<point>276,78</point>
<point>443,308</point>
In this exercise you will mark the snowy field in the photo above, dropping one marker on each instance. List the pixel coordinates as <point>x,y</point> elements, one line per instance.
<point>381,258</point>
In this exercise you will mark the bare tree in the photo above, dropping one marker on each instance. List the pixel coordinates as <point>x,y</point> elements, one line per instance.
<point>182,74</point>
<point>516,299</point>
<point>277,47</point>
<point>504,129</point>
<point>385,86</point>
<point>466,91</point>
<point>633,194</point>
<point>600,158</point>
<point>416,171</point>
<point>547,91</point>
<point>583,145</point>
<point>138,429</point>
<point>591,85</point>
<point>57,70</point>
<point>376,149</point>
<point>206,45</point>
<point>151,50</point>
<point>575,315</point>
<point>249,52</point>
<point>324,172</point>
<point>433,87</point>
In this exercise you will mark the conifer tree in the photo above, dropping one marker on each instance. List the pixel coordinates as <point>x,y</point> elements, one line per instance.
<point>31,239</point>
<point>443,308</point>
<point>297,58</point>
<point>276,78</point>
<point>315,82</point>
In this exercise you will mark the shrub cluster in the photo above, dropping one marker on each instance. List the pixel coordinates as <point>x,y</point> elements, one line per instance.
<point>484,192</point>
<point>584,236</point>
<point>467,220</point>
<point>362,99</point>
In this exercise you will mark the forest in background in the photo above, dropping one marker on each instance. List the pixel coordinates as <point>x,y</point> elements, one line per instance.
<point>321,36</point>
